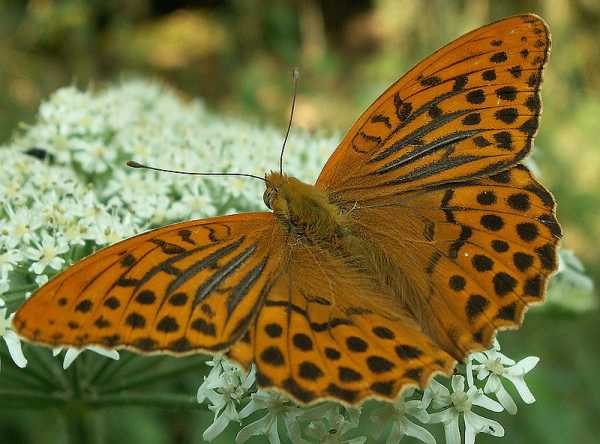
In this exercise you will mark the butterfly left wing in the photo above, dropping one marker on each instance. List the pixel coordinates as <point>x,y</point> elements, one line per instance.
<point>469,110</point>
<point>192,286</point>
<point>317,336</point>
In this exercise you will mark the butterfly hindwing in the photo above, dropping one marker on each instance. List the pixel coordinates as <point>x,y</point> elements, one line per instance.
<point>311,341</point>
<point>469,110</point>
<point>480,251</point>
<point>190,286</point>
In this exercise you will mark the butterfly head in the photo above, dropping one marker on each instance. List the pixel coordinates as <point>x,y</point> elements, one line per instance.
<point>302,208</point>
<point>275,182</point>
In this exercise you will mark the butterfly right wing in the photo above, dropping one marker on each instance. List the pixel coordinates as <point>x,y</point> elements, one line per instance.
<point>478,252</point>
<point>192,286</point>
<point>471,109</point>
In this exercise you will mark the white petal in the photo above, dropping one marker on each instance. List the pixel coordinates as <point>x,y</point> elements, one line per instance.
<point>418,432</point>
<point>436,394</point>
<point>487,403</point>
<point>444,416</point>
<point>482,373</point>
<point>250,378</point>
<point>479,424</point>
<point>216,428</point>
<point>505,360</point>
<point>479,357</point>
<point>396,434</point>
<point>250,408</point>
<point>452,432</point>
<point>273,435</point>
<point>258,427</point>
<point>112,354</point>
<point>14,348</point>
<point>492,384</point>
<point>417,409</point>
<point>70,356</point>
<point>41,279</point>
<point>469,433</point>
<point>469,371</point>
<point>230,412</point>
<point>505,399</point>
<point>293,426</point>
<point>458,383</point>
<point>524,366</point>
<point>522,388</point>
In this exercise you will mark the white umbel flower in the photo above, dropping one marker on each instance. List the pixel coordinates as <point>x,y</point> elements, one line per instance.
<point>495,366</point>
<point>277,407</point>
<point>333,428</point>
<point>224,387</point>
<point>460,403</point>
<point>10,337</point>
<point>47,253</point>
<point>398,412</point>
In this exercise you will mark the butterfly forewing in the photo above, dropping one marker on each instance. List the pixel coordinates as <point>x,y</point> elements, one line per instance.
<point>469,110</point>
<point>190,286</point>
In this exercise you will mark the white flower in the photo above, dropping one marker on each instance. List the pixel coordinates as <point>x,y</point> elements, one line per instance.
<point>494,366</point>
<point>20,226</point>
<point>94,156</point>
<point>195,202</point>
<point>10,337</point>
<point>72,353</point>
<point>41,279</point>
<point>461,403</point>
<point>277,407</point>
<point>397,413</point>
<point>329,425</point>
<point>224,387</point>
<point>47,253</point>
<point>8,260</point>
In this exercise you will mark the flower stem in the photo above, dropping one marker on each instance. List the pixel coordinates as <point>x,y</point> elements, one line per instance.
<point>154,400</point>
<point>82,424</point>
<point>31,399</point>
<point>115,367</point>
<point>152,377</point>
<point>48,366</point>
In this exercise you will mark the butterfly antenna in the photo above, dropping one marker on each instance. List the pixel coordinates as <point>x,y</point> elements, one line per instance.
<point>134,164</point>
<point>295,77</point>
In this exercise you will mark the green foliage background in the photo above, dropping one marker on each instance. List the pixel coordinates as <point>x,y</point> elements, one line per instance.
<point>238,54</point>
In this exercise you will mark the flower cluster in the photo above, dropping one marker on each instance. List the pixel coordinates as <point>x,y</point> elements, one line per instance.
<point>66,192</point>
<point>227,387</point>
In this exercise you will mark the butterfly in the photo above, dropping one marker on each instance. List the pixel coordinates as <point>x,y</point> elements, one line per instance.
<point>422,236</point>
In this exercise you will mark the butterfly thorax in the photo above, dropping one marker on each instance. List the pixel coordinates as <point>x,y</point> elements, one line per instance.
<point>303,209</point>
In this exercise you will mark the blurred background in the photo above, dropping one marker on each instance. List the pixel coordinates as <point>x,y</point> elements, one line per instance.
<point>238,55</point>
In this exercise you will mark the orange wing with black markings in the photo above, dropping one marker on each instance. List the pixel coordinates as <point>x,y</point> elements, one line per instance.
<point>314,341</point>
<point>469,110</point>
<point>186,287</point>
<point>478,253</point>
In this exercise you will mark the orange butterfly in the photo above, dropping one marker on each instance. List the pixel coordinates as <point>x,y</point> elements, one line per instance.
<point>422,236</point>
